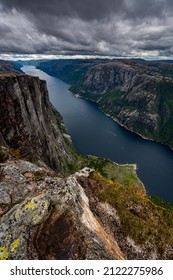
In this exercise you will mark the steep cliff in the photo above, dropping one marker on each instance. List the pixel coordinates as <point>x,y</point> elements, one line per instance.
<point>138,94</point>
<point>100,211</point>
<point>29,124</point>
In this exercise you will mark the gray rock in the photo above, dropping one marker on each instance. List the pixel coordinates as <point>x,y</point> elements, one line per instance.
<point>27,122</point>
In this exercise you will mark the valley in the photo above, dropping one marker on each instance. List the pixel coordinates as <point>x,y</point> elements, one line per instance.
<point>136,93</point>
<point>58,204</point>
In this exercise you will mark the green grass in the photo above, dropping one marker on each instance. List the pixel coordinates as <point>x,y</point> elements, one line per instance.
<point>143,218</point>
<point>124,174</point>
<point>160,202</point>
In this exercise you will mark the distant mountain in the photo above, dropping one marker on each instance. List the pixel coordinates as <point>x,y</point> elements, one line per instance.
<point>136,93</point>
<point>10,66</point>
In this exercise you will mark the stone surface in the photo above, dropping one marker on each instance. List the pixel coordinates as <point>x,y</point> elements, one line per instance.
<point>52,215</point>
<point>27,122</point>
<point>49,217</point>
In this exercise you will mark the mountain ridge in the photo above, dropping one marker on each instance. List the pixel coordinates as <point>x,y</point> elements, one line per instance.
<point>136,93</point>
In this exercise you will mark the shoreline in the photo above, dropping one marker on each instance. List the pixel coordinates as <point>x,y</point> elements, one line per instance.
<point>118,122</point>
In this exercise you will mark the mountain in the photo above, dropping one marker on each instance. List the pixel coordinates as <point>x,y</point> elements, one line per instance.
<point>57,204</point>
<point>136,93</point>
<point>7,66</point>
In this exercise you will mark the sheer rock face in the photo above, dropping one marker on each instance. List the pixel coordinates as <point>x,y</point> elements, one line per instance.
<point>27,122</point>
<point>126,92</point>
<point>135,95</point>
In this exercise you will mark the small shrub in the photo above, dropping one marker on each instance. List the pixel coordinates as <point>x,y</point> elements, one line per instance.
<point>15,153</point>
<point>3,155</point>
<point>39,175</point>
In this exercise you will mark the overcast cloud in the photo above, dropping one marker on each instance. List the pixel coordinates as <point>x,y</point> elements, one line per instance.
<point>133,28</point>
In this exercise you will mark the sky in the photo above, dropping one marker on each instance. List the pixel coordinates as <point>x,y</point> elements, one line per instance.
<point>86,28</point>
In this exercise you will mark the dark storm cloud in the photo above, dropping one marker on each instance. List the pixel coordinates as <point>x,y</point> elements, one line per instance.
<point>120,27</point>
<point>85,9</point>
<point>155,47</point>
<point>91,9</point>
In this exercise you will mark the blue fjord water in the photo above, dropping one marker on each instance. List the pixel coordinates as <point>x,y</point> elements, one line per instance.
<point>94,133</point>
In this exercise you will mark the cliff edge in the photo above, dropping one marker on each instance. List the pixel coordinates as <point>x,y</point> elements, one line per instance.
<point>30,124</point>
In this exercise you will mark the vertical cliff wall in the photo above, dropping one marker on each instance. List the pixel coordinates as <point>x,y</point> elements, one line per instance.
<point>28,124</point>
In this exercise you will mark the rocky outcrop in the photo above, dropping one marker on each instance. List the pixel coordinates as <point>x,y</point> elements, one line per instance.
<point>83,216</point>
<point>120,226</point>
<point>29,124</point>
<point>45,217</point>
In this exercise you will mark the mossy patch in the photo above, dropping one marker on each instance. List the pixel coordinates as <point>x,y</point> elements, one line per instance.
<point>33,210</point>
<point>14,245</point>
<point>4,252</point>
<point>31,204</point>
